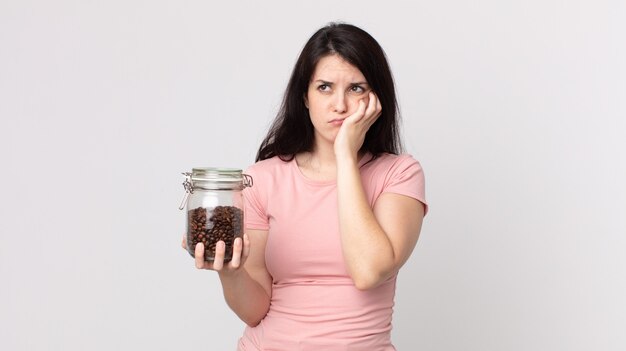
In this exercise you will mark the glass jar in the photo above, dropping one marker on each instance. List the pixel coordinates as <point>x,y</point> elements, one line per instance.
<point>214,203</point>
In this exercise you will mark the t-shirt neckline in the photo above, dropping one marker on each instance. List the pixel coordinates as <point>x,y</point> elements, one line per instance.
<point>366,158</point>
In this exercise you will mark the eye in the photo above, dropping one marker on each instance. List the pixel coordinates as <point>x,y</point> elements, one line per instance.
<point>357,89</point>
<point>323,87</point>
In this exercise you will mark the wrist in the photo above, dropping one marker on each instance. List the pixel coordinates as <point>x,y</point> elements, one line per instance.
<point>230,274</point>
<point>346,158</point>
<point>350,158</point>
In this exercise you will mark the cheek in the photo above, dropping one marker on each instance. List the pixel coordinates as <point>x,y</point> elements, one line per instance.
<point>316,112</point>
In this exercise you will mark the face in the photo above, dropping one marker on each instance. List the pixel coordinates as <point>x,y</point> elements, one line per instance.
<point>333,94</point>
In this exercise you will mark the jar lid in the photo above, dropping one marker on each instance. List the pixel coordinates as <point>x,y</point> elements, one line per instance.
<point>211,178</point>
<point>216,174</point>
<point>219,178</point>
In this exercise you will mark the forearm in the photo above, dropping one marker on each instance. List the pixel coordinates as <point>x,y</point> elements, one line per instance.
<point>245,296</point>
<point>367,250</point>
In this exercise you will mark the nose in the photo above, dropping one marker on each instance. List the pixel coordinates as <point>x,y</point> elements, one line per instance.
<point>339,103</point>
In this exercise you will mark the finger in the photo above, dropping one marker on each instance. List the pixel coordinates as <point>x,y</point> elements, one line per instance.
<point>372,105</point>
<point>360,111</point>
<point>218,261</point>
<point>184,244</point>
<point>237,248</point>
<point>246,247</point>
<point>199,255</point>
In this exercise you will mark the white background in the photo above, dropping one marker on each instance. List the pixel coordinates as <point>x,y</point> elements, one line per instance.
<point>515,109</point>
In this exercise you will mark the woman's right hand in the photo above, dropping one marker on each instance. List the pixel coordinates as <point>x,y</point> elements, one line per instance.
<point>241,250</point>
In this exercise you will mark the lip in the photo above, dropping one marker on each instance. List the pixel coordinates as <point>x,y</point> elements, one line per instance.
<point>337,121</point>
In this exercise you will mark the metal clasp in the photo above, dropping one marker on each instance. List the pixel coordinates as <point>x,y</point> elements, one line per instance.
<point>247,181</point>
<point>188,189</point>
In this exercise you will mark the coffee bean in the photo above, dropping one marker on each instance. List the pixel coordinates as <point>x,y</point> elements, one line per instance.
<point>224,223</point>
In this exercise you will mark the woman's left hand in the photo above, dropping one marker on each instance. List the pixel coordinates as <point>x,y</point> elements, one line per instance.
<point>352,132</point>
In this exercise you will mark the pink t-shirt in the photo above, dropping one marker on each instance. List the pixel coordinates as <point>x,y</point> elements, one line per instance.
<point>315,305</point>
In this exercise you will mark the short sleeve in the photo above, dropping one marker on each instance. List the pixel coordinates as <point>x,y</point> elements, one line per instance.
<point>406,177</point>
<point>255,202</point>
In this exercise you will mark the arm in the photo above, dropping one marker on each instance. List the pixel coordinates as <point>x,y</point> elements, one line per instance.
<point>245,281</point>
<point>247,291</point>
<point>376,242</point>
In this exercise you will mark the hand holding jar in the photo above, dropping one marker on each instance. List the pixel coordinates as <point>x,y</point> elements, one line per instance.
<point>240,251</point>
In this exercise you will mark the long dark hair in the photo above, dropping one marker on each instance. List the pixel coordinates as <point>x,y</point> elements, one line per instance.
<point>292,131</point>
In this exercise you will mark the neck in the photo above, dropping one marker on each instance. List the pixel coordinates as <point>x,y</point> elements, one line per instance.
<point>319,164</point>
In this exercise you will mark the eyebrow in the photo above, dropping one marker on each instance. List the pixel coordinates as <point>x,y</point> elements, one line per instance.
<point>331,83</point>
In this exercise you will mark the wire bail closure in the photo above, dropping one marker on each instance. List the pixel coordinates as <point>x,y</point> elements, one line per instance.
<point>188,189</point>
<point>247,180</point>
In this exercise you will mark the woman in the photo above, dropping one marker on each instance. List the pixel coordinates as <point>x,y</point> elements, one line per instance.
<point>334,212</point>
